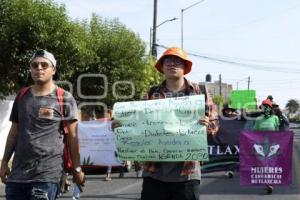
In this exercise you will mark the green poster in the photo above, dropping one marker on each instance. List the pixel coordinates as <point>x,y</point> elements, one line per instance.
<point>161,130</point>
<point>243,99</point>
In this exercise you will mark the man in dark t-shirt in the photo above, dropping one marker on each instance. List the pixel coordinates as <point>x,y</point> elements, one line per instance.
<point>36,136</point>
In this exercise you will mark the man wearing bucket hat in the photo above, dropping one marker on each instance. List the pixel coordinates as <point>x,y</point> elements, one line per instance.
<point>176,180</point>
<point>36,136</point>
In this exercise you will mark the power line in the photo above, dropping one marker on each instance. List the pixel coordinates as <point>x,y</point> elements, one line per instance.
<point>279,80</point>
<point>255,60</point>
<point>250,65</point>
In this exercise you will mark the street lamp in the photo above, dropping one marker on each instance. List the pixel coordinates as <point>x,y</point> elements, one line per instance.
<point>182,10</point>
<point>153,33</point>
<point>168,20</point>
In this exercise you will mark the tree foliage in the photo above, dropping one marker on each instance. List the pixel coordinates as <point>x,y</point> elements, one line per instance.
<point>98,46</point>
<point>27,25</point>
<point>292,106</point>
<point>119,55</point>
<point>219,101</point>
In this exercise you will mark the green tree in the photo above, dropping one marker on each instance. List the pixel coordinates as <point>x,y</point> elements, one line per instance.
<point>81,47</point>
<point>119,54</point>
<point>292,106</point>
<point>27,25</point>
<point>219,101</point>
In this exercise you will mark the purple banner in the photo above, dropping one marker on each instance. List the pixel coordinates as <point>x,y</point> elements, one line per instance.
<point>266,157</point>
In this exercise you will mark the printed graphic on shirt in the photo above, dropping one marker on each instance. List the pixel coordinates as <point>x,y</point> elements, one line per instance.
<point>46,113</point>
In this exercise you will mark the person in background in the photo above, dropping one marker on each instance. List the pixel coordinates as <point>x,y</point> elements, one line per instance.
<point>138,168</point>
<point>284,122</point>
<point>107,116</point>
<point>231,124</point>
<point>108,173</point>
<point>267,122</point>
<point>270,97</point>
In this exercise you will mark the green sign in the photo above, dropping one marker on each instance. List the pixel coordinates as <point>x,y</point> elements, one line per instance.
<point>161,130</point>
<point>243,99</point>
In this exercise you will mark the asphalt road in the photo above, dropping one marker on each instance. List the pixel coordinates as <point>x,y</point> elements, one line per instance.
<point>215,186</point>
<point>126,188</point>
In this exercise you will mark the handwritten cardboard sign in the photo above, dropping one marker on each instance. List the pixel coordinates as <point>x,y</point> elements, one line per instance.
<point>97,143</point>
<point>161,130</point>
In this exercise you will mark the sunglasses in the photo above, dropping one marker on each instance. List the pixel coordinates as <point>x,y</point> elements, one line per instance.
<point>44,65</point>
<point>173,60</point>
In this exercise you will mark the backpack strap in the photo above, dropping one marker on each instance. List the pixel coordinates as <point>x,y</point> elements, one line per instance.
<point>23,92</point>
<point>60,98</point>
<point>68,163</point>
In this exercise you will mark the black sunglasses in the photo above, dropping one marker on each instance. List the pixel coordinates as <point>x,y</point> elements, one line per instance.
<point>35,65</point>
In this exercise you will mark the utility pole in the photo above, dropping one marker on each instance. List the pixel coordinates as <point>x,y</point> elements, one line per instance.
<point>182,10</point>
<point>248,82</point>
<point>154,51</point>
<point>150,41</point>
<point>220,84</point>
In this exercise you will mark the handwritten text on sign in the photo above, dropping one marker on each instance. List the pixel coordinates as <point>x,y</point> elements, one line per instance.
<point>161,130</point>
<point>97,143</point>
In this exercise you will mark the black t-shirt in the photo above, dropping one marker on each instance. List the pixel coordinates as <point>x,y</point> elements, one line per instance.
<point>39,148</point>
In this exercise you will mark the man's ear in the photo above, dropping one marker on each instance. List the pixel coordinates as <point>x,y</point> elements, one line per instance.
<point>55,74</point>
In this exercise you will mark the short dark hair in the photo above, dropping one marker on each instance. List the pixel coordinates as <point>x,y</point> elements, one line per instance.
<point>270,97</point>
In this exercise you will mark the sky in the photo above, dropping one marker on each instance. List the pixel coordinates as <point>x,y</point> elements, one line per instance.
<point>235,38</point>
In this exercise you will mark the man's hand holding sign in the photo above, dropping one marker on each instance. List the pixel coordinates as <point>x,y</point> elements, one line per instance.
<point>162,130</point>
